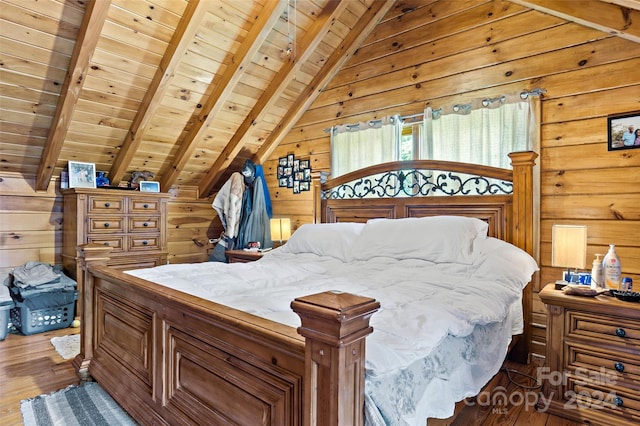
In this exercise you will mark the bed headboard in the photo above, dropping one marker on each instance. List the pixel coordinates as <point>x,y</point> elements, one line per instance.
<point>501,197</point>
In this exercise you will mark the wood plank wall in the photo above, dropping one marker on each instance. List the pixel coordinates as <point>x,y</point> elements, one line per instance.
<point>448,52</point>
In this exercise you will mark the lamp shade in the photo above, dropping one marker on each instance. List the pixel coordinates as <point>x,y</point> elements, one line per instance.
<point>280,229</point>
<point>569,246</point>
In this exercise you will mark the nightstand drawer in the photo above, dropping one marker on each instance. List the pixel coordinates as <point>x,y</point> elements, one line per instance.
<point>609,399</point>
<point>143,242</point>
<point>102,204</point>
<point>106,224</point>
<point>604,366</point>
<point>605,328</point>
<point>144,224</point>
<point>115,241</point>
<point>140,205</point>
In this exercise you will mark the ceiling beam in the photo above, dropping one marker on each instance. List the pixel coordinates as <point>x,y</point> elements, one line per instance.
<point>340,56</point>
<point>180,41</point>
<point>88,35</point>
<point>258,33</point>
<point>610,18</point>
<point>305,47</point>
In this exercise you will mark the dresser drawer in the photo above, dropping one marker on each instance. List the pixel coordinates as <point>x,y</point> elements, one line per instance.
<point>103,204</point>
<point>143,242</point>
<point>141,205</point>
<point>604,366</point>
<point>106,224</point>
<point>144,224</point>
<point>608,329</point>
<point>612,400</point>
<point>115,241</point>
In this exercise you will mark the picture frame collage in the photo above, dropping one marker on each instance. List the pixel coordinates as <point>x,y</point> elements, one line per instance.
<point>294,173</point>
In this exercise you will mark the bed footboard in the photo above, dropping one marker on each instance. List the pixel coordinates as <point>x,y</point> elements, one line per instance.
<point>171,358</point>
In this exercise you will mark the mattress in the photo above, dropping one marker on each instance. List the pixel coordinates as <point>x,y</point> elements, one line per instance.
<point>441,333</point>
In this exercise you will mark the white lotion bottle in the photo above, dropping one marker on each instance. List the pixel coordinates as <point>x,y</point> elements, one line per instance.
<point>612,269</point>
<point>597,273</point>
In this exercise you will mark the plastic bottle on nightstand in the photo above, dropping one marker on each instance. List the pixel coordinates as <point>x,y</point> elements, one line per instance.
<point>597,273</point>
<point>612,269</point>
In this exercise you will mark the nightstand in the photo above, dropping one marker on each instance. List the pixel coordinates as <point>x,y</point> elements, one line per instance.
<point>242,256</point>
<point>592,359</point>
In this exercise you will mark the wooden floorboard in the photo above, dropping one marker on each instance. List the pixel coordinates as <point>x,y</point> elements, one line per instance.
<point>29,366</point>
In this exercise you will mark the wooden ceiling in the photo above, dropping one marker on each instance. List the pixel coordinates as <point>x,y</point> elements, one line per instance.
<point>187,89</point>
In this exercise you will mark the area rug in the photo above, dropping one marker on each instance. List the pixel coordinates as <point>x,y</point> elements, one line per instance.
<point>87,404</point>
<point>67,346</point>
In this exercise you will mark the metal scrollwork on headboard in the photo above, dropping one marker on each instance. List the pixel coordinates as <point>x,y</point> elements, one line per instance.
<point>418,183</point>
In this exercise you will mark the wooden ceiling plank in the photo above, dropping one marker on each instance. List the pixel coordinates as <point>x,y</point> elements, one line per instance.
<point>611,18</point>
<point>88,35</point>
<point>340,56</point>
<point>305,48</point>
<point>224,87</point>
<point>178,45</point>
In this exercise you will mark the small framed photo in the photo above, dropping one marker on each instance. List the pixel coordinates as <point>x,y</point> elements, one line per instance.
<point>149,186</point>
<point>623,131</point>
<point>282,161</point>
<point>82,175</point>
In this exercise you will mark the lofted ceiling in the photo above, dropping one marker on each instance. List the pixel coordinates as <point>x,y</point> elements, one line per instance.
<point>186,89</point>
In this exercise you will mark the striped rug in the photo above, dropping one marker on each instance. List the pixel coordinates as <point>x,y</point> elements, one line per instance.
<point>87,404</point>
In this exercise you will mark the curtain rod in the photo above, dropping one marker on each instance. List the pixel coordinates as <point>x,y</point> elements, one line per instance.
<point>486,102</point>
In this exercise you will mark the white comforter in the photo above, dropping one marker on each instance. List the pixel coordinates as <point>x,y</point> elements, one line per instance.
<point>422,304</point>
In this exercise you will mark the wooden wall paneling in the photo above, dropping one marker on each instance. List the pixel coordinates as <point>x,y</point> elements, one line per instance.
<point>590,206</point>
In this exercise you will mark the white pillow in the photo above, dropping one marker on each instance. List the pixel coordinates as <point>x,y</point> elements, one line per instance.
<point>438,239</point>
<point>325,239</point>
<point>498,259</point>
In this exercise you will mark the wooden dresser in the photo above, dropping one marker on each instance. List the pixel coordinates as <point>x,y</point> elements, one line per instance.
<point>592,371</point>
<point>133,223</point>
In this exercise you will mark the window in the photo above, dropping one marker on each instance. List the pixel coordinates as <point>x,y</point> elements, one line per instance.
<point>483,131</point>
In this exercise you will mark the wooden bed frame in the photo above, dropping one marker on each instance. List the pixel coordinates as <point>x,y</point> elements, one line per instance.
<point>171,358</point>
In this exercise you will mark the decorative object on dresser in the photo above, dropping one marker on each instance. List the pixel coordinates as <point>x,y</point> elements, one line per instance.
<point>592,371</point>
<point>82,175</point>
<point>133,224</point>
<point>568,249</point>
<point>149,186</point>
<point>242,256</point>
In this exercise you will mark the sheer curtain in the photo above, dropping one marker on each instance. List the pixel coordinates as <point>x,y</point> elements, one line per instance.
<point>364,144</point>
<point>483,131</point>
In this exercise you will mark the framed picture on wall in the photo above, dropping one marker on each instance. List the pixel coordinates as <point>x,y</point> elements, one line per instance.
<point>82,175</point>
<point>623,131</point>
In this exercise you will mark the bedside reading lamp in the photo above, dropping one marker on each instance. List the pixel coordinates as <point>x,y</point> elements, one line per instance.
<point>568,249</point>
<point>280,229</point>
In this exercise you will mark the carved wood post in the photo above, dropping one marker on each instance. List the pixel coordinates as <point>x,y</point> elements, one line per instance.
<point>524,228</point>
<point>89,255</point>
<point>335,326</point>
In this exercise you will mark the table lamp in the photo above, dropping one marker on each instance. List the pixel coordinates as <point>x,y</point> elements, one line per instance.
<point>280,229</point>
<point>568,249</point>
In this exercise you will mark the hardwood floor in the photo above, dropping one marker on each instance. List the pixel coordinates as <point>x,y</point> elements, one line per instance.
<point>29,366</point>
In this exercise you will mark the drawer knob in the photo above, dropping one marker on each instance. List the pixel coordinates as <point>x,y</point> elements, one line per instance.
<point>618,401</point>
<point>620,332</point>
<point>106,243</point>
<point>619,367</point>
<point>106,225</point>
<point>146,206</point>
<point>145,224</point>
<point>107,205</point>
<point>144,243</point>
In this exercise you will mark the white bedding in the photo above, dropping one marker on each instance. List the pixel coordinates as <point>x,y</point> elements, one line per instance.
<point>423,303</point>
